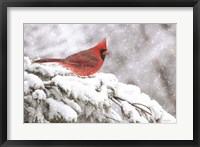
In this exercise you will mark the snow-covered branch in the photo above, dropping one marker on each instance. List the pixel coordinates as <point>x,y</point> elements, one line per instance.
<point>52,94</point>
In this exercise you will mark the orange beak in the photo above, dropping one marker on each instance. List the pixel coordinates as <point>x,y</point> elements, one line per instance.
<point>106,52</point>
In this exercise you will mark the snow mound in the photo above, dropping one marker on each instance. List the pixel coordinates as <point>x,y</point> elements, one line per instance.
<point>52,94</point>
<point>59,111</point>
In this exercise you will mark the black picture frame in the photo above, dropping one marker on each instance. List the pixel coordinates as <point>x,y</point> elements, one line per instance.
<point>4,4</point>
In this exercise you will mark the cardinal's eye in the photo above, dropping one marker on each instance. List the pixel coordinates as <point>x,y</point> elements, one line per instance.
<point>102,53</point>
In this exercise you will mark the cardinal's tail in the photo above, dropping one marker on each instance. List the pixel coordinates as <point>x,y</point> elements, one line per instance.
<point>47,60</point>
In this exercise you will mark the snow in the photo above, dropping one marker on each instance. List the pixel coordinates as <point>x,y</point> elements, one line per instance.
<point>73,105</point>
<point>113,115</point>
<point>144,99</point>
<point>127,92</point>
<point>132,113</point>
<point>80,92</point>
<point>160,114</point>
<point>49,70</point>
<point>27,63</point>
<point>36,116</point>
<point>58,96</point>
<point>39,94</point>
<point>31,81</point>
<point>109,80</point>
<point>60,110</point>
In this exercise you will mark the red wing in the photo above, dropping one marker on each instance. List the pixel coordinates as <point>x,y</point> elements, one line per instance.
<point>84,58</point>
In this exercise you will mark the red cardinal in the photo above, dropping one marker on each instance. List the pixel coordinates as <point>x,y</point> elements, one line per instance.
<point>83,63</point>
